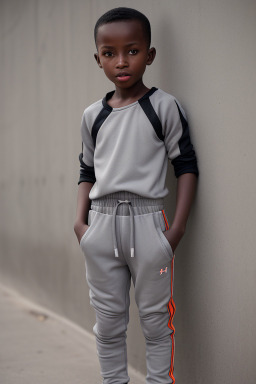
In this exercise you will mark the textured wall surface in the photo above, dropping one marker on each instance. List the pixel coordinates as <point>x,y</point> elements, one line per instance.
<point>206,57</point>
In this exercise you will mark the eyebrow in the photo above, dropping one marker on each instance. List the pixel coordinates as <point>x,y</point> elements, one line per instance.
<point>110,46</point>
<point>106,47</point>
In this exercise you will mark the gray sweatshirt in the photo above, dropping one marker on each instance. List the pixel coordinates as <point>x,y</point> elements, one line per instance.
<point>127,148</point>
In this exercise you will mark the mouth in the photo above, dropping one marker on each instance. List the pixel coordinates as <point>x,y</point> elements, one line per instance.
<point>123,76</point>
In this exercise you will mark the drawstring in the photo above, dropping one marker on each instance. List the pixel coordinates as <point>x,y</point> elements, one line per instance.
<point>134,205</point>
<point>131,226</point>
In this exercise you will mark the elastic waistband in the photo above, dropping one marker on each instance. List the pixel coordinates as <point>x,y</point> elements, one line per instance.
<point>140,204</point>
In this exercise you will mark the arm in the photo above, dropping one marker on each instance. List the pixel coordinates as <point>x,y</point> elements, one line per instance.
<point>83,207</point>
<point>186,187</point>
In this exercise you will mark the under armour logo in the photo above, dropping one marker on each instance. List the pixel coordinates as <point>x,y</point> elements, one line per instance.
<point>163,270</point>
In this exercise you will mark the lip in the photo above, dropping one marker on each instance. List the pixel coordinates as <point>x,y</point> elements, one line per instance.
<point>123,76</point>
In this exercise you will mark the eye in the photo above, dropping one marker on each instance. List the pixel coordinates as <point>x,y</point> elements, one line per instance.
<point>133,51</point>
<point>107,54</point>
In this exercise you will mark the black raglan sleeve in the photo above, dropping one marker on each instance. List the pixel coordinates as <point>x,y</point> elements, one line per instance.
<point>86,157</point>
<point>177,141</point>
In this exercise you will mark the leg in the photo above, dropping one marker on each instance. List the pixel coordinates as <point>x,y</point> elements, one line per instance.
<point>153,275</point>
<point>110,331</point>
<point>159,334</point>
<point>109,281</point>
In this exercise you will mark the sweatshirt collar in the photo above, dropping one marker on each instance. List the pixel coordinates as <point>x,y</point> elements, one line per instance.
<point>110,94</point>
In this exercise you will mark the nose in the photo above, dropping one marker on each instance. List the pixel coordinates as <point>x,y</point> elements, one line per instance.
<point>121,61</point>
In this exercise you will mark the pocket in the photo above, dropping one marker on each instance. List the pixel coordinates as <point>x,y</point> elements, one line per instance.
<point>91,220</point>
<point>160,227</point>
<point>165,241</point>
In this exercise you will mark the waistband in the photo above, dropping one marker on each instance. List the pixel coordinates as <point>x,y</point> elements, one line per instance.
<point>125,204</point>
<point>140,204</point>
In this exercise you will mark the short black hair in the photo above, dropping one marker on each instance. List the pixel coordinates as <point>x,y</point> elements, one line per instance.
<point>124,13</point>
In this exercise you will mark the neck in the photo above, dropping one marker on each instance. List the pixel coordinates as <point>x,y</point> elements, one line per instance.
<point>134,93</point>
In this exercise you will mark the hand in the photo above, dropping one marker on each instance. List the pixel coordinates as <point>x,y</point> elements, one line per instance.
<point>80,229</point>
<point>174,236</point>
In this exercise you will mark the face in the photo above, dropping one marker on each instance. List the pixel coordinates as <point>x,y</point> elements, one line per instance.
<point>123,52</point>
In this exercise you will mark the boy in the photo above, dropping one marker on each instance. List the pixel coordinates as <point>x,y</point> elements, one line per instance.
<point>127,139</point>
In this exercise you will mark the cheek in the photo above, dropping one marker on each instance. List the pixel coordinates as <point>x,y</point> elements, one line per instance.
<point>107,71</point>
<point>140,62</point>
<point>106,68</point>
<point>106,64</point>
<point>141,66</point>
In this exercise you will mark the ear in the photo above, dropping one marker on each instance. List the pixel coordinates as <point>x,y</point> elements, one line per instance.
<point>151,55</point>
<point>97,58</point>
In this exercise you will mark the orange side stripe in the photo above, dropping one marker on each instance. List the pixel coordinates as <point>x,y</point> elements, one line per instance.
<point>171,310</point>
<point>165,220</point>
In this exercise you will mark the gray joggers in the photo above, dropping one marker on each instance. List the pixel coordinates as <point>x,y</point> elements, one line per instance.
<point>125,240</point>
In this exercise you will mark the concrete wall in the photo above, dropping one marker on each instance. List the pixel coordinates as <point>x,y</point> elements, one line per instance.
<point>206,57</point>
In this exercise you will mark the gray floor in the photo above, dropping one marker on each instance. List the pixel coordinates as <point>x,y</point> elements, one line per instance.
<point>39,347</point>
